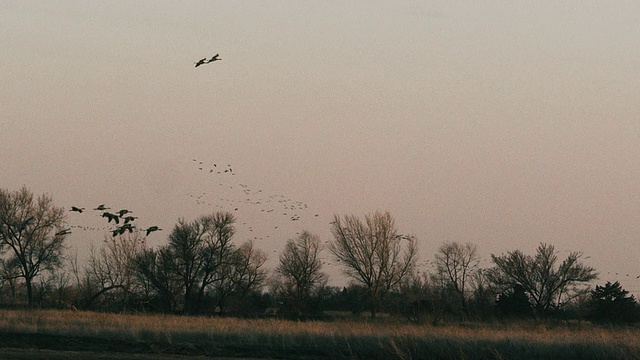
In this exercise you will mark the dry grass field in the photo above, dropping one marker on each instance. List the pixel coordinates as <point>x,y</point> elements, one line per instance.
<point>272,338</point>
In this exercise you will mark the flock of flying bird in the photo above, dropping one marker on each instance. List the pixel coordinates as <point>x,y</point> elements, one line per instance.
<point>288,207</point>
<point>273,204</point>
<point>276,204</point>
<point>122,221</point>
<point>123,215</point>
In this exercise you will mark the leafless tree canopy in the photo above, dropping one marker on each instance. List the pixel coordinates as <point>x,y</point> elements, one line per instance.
<point>456,264</point>
<point>548,283</point>
<point>300,271</point>
<point>372,253</point>
<point>198,250</point>
<point>201,259</point>
<point>31,235</point>
<point>248,271</point>
<point>241,273</point>
<point>113,267</point>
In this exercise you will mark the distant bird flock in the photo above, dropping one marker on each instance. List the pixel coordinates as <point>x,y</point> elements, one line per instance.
<point>120,222</point>
<point>275,204</point>
<point>123,221</point>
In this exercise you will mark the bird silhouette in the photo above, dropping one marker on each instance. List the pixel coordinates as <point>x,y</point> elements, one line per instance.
<point>24,224</point>
<point>214,58</point>
<point>120,230</point>
<point>128,219</point>
<point>101,207</point>
<point>77,209</point>
<point>63,232</point>
<point>128,227</point>
<point>200,62</point>
<point>122,212</point>
<point>151,229</point>
<point>110,217</point>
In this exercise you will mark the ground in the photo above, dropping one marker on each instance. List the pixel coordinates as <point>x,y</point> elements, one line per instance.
<point>45,354</point>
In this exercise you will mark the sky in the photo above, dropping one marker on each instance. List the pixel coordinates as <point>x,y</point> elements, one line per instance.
<point>504,124</point>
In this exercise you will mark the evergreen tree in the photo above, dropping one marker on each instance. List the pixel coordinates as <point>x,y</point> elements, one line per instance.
<point>515,303</point>
<point>612,304</point>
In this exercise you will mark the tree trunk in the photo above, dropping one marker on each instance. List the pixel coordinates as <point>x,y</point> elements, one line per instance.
<point>187,301</point>
<point>465,307</point>
<point>374,309</point>
<point>27,282</point>
<point>12,285</point>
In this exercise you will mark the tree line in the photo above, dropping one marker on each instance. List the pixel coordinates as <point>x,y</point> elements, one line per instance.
<point>202,269</point>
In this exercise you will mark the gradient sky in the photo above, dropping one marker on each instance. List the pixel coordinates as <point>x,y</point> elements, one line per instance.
<point>502,123</point>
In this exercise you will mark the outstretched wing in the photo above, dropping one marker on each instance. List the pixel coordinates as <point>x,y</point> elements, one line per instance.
<point>201,61</point>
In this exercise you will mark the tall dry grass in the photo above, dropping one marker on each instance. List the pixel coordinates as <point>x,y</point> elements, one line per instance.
<point>342,339</point>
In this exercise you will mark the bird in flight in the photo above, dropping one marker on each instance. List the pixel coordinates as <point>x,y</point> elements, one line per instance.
<point>122,212</point>
<point>101,207</point>
<point>214,58</point>
<point>63,232</point>
<point>152,229</point>
<point>128,219</point>
<point>120,230</point>
<point>77,209</point>
<point>111,216</point>
<point>205,61</point>
<point>201,61</point>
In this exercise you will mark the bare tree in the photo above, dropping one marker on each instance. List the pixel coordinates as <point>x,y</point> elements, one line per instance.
<point>82,288</point>
<point>548,284</point>
<point>218,253</point>
<point>249,273</point>
<point>155,269</point>
<point>10,275</point>
<point>301,275</point>
<point>240,274</point>
<point>456,264</point>
<point>372,253</point>
<point>193,259</point>
<point>32,234</point>
<point>113,266</point>
<point>425,298</point>
<point>187,248</point>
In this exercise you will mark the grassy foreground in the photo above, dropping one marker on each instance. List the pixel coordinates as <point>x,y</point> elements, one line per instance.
<point>87,331</point>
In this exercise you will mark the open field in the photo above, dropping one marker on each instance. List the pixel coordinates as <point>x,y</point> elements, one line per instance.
<point>174,336</point>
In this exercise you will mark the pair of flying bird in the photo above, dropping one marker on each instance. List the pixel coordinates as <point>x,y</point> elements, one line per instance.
<point>205,61</point>
<point>100,207</point>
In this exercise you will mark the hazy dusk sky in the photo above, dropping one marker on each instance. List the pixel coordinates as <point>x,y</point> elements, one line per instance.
<point>502,123</point>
